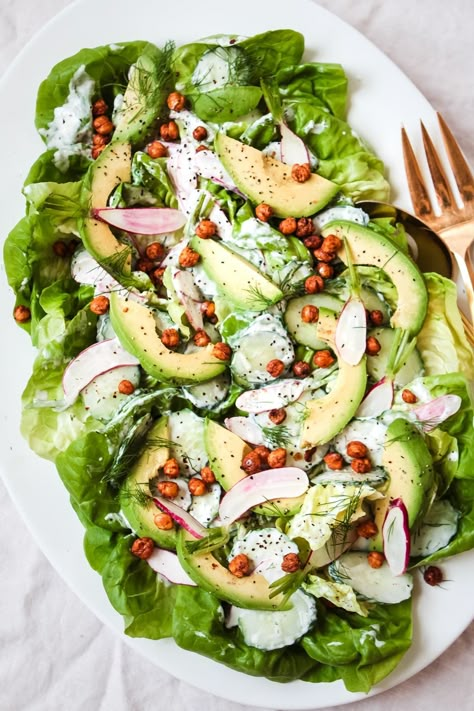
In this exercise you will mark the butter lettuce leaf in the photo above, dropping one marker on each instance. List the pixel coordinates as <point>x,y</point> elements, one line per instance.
<point>339,594</point>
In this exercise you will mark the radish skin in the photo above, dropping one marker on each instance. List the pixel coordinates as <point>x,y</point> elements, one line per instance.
<point>245,428</point>
<point>378,400</point>
<point>287,482</point>
<point>433,413</point>
<point>182,517</point>
<point>167,564</point>
<point>142,220</point>
<point>351,332</point>
<point>270,397</point>
<point>293,149</point>
<point>189,297</point>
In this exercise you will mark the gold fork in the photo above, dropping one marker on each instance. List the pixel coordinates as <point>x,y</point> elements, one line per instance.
<point>454,222</point>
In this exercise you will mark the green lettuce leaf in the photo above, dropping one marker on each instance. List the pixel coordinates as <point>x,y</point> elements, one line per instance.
<point>150,173</point>
<point>324,85</point>
<point>442,343</point>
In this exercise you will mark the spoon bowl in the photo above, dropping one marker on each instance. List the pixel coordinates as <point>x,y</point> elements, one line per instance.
<point>432,255</point>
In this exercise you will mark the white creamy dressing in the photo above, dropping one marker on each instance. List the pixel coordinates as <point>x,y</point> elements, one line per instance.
<point>371,634</point>
<point>70,131</point>
<point>315,127</point>
<point>188,121</point>
<point>341,212</point>
<point>213,70</point>
<point>117,108</point>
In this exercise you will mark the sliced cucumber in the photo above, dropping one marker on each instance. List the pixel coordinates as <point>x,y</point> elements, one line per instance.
<point>305,333</point>
<point>263,341</point>
<point>373,302</point>
<point>101,397</point>
<point>273,630</point>
<point>436,530</point>
<point>208,395</point>
<point>206,507</point>
<point>377,365</point>
<point>376,584</point>
<point>374,478</point>
<point>369,432</point>
<point>186,433</point>
<point>265,549</point>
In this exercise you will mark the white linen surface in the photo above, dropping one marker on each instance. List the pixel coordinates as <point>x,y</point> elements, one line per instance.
<point>54,654</point>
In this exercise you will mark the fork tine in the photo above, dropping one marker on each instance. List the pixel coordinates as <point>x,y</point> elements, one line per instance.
<point>419,195</point>
<point>440,182</point>
<point>461,171</point>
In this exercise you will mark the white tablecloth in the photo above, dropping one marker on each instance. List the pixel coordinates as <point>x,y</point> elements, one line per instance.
<point>54,654</point>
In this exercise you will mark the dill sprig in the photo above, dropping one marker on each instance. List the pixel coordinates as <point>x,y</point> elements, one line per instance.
<point>258,301</point>
<point>128,451</point>
<point>215,538</point>
<point>151,85</point>
<point>277,436</point>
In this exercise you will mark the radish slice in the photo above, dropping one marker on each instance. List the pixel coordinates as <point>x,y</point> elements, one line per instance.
<point>208,165</point>
<point>396,537</point>
<point>351,332</point>
<point>433,413</point>
<point>224,226</point>
<point>142,220</point>
<point>245,428</point>
<point>189,297</point>
<point>167,564</point>
<point>270,397</point>
<point>378,400</point>
<point>182,517</point>
<point>287,482</point>
<point>293,149</point>
<point>92,362</point>
<point>183,174</point>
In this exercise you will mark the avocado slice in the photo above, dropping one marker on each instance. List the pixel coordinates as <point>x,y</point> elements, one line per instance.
<point>265,179</point>
<point>407,460</point>
<point>251,592</point>
<point>141,101</point>
<point>370,248</point>
<point>226,451</point>
<point>327,415</point>
<point>138,509</point>
<point>236,279</point>
<point>110,169</point>
<point>135,327</point>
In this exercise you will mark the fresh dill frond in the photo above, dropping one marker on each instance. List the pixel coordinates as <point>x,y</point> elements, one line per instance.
<point>128,452</point>
<point>257,300</point>
<point>138,494</point>
<point>277,436</point>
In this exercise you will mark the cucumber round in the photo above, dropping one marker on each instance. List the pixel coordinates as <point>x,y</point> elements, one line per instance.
<point>208,395</point>
<point>255,350</point>
<point>436,530</point>
<point>305,333</point>
<point>377,365</point>
<point>378,584</point>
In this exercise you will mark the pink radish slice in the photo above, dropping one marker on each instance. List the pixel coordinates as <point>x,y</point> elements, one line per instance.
<point>167,564</point>
<point>183,174</point>
<point>378,400</point>
<point>396,537</point>
<point>208,165</point>
<point>270,397</point>
<point>189,297</point>
<point>293,149</point>
<point>142,220</point>
<point>351,331</point>
<point>287,482</point>
<point>433,413</point>
<point>182,517</point>
<point>244,428</point>
<point>92,362</point>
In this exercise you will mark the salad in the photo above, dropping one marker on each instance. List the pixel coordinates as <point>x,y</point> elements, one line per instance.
<point>259,405</point>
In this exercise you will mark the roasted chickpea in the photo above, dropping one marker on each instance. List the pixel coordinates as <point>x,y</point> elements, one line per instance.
<point>197,487</point>
<point>309,454</point>
<point>200,133</point>
<point>175,101</point>
<point>60,248</point>
<point>287,226</point>
<point>277,416</point>
<point>313,284</point>
<point>313,242</point>
<point>222,351</point>
<point>156,149</point>
<point>188,257</point>
<point>201,338</point>
<point>163,521</point>
<point>252,463</point>
<point>277,458</point>
<point>367,529</point>
<point>356,449</point>
<point>291,563</point>
<point>334,461</point>
<point>263,212</point>
<point>301,172</point>
<point>376,317</point>
<point>409,397</point>
<point>208,308</point>
<point>99,108</point>
<point>171,468</point>
<point>326,271</point>
<point>170,337</point>
<point>103,125</point>
<point>275,367</point>
<point>375,560</point>
<point>206,229</point>
<point>309,313</point>
<point>323,359</point>
<point>262,452</point>
<point>142,548</point>
<point>96,151</point>
<point>331,244</point>
<point>323,256</point>
<point>168,489</point>
<point>155,251</point>
<point>126,387</point>
<point>372,346</point>
<point>304,227</point>
<point>145,265</point>
<point>99,305</point>
<point>21,314</point>
<point>169,131</point>
<point>433,575</point>
<point>362,465</point>
<point>207,475</point>
<point>99,141</point>
<point>240,565</point>
<point>301,369</point>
